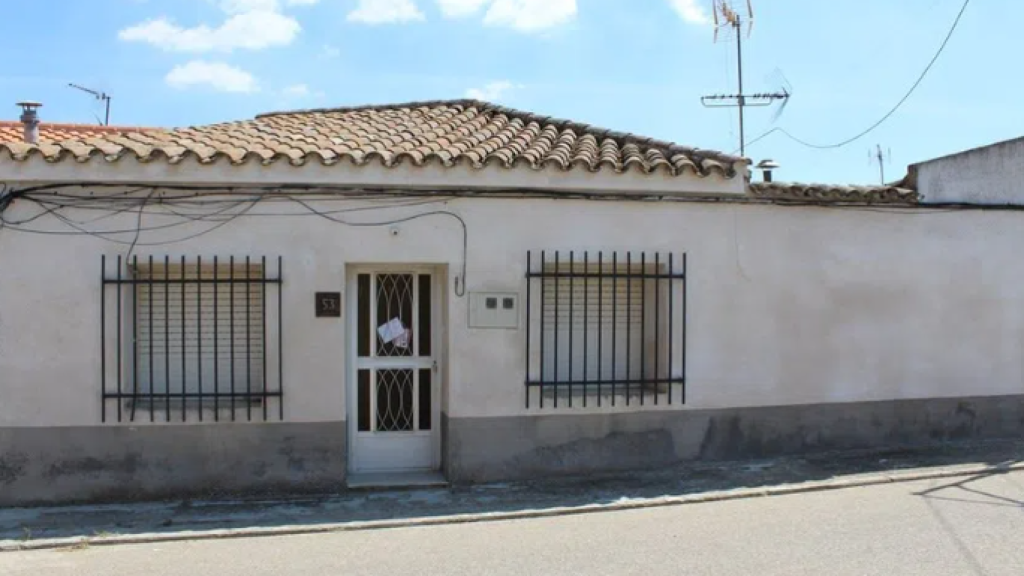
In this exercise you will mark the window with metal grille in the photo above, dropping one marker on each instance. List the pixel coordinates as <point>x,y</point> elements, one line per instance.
<point>183,338</point>
<point>605,325</point>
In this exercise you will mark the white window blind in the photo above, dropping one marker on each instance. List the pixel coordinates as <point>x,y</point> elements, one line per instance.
<point>612,323</point>
<point>208,335</point>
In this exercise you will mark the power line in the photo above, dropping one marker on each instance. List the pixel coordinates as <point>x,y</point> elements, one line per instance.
<point>52,207</point>
<point>889,114</point>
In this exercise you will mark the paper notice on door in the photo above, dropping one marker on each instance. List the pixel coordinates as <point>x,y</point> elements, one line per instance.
<point>393,330</point>
<point>403,340</point>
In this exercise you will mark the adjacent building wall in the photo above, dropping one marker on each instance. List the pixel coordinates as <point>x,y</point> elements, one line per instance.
<point>987,175</point>
<point>808,327</point>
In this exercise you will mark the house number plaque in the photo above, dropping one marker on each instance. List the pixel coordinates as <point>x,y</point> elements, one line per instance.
<point>328,304</point>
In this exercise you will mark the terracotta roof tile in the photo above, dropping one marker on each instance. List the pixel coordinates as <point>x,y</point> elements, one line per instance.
<point>13,131</point>
<point>448,132</point>
<point>832,194</point>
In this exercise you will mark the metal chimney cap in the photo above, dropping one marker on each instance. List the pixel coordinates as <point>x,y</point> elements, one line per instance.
<point>30,104</point>
<point>767,164</point>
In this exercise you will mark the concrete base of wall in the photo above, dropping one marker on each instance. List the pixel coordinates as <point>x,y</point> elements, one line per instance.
<point>489,449</point>
<point>56,465</point>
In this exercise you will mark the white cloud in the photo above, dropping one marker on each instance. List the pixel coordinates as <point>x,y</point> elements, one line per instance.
<point>493,91</point>
<point>301,92</point>
<point>530,15</point>
<point>691,11</point>
<point>249,30</point>
<point>460,8</point>
<point>216,75</point>
<point>385,12</point>
<point>296,91</point>
<point>241,6</point>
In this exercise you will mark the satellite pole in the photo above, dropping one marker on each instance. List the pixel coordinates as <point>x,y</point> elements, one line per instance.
<point>882,158</point>
<point>726,16</point>
<point>102,96</point>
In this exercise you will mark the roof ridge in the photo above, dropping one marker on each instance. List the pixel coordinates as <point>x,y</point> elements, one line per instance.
<point>458,132</point>
<point>79,126</point>
<point>527,116</point>
<point>816,192</point>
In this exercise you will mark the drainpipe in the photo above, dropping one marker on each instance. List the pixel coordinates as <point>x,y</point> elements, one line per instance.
<point>30,118</point>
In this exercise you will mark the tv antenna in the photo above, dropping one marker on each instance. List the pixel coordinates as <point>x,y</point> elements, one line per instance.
<point>882,157</point>
<point>727,17</point>
<point>101,96</point>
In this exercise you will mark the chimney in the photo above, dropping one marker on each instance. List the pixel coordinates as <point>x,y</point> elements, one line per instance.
<point>30,119</point>
<point>766,166</point>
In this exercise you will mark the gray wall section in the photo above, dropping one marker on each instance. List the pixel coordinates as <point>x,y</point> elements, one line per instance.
<point>486,449</point>
<point>57,465</point>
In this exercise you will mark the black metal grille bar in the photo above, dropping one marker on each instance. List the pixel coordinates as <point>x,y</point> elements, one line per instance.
<point>555,381</point>
<point>600,324</point>
<point>615,266</point>
<point>120,347</point>
<point>640,351</point>
<point>181,334</point>
<point>216,341</point>
<point>184,364</point>
<point>280,339</point>
<point>248,344</point>
<point>167,340</point>
<point>150,363</point>
<point>231,272</point>
<point>103,338</point>
<point>263,294</point>
<point>529,261</point>
<point>543,349</point>
<point>629,318</point>
<point>199,339</point>
<point>682,390</point>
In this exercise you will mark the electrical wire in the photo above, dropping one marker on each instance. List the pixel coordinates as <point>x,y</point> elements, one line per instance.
<point>138,225</point>
<point>53,203</point>
<point>888,114</point>
<point>193,205</point>
<point>460,286</point>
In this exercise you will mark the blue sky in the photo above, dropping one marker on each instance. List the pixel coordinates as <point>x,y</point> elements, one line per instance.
<point>637,65</point>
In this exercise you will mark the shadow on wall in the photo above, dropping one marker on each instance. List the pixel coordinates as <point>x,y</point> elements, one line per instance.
<point>680,480</point>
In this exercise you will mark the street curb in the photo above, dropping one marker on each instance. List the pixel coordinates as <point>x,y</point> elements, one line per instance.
<point>633,504</point>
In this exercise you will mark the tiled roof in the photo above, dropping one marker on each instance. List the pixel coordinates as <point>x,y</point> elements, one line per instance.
<point>12,131</point>
<point>832,194</point>
<point>449,132</point>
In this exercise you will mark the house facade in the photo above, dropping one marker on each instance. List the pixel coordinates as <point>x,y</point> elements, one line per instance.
<point>463,292</point>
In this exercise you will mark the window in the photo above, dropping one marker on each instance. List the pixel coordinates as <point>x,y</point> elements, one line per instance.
<point>191,338</point>
<point>606,325</point>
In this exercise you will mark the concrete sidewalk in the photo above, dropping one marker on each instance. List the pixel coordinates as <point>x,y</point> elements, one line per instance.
<point>47,527</point>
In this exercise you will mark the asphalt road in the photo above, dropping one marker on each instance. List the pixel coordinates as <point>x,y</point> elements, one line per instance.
<point>971,525</point>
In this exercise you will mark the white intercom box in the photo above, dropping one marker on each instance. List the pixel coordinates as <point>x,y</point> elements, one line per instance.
<point>494,310</point>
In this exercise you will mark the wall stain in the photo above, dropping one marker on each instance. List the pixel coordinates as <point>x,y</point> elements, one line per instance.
<point>12,467</point>
<point>308,459</point>
<point>618,450</point>
<point>129,465</point>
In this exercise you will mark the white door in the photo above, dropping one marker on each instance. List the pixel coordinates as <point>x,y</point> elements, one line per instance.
<point>393,383</point>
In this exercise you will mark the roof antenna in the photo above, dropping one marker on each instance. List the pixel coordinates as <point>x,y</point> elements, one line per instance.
<point>727,17</point>
<point>102,96</point>
<point>882,157</point>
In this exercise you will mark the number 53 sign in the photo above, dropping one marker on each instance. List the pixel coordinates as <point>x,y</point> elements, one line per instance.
<point>328,304</point>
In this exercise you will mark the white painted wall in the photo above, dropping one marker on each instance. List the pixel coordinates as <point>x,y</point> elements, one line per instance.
<point>988,175</point>
<point>788,305</point>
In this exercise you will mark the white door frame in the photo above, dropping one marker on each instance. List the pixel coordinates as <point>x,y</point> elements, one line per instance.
<point>385,451</point>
